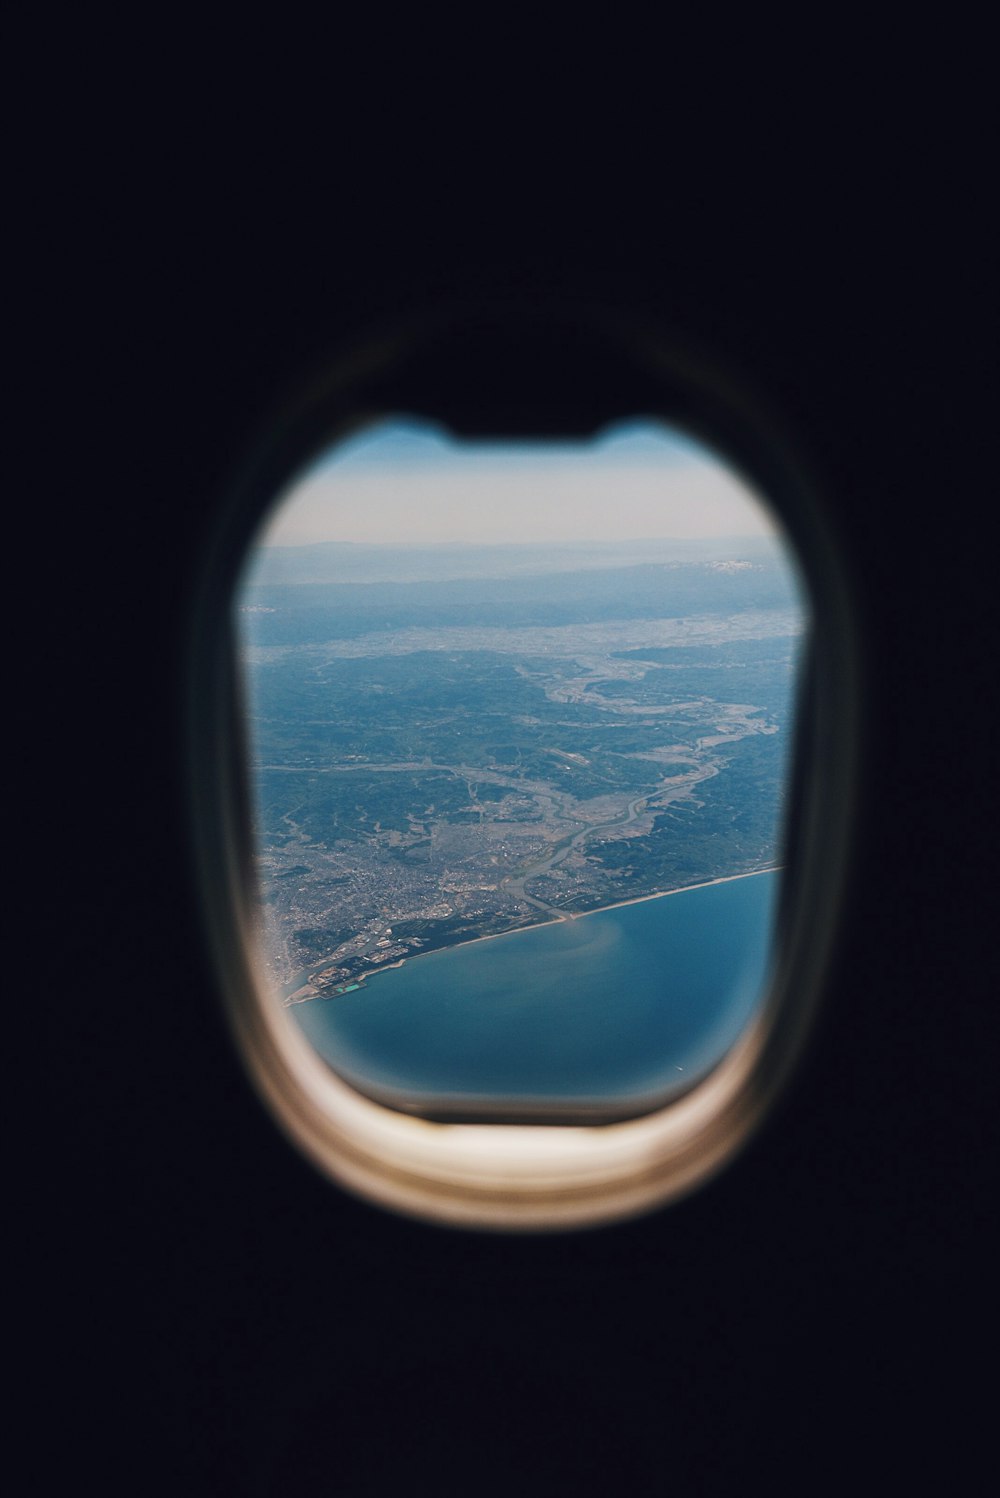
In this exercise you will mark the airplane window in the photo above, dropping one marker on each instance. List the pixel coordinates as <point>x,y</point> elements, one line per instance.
<point>519,727</point>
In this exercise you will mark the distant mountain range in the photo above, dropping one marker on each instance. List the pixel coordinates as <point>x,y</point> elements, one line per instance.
<point>302,612</point>
<point>346,562</point>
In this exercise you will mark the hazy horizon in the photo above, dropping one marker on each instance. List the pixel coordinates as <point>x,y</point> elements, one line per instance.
<point>360,562</point>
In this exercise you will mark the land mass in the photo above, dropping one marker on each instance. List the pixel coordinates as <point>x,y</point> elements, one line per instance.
<point>432,782</point>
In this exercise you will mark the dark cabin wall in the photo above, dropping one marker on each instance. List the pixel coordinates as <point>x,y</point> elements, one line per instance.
<point>233,1324</point>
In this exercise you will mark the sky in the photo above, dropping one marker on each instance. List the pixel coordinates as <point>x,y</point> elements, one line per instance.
<point>409,483</point>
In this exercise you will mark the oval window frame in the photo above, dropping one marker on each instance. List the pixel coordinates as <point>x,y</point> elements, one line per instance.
<point>489,371</point>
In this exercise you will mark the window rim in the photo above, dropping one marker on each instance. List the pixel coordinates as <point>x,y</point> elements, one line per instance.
<point>515,1175</point>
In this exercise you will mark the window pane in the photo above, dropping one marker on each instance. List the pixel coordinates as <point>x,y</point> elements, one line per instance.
<point>519,725</point>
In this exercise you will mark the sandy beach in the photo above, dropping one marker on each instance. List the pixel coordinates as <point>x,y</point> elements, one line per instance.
<point>681,889</point>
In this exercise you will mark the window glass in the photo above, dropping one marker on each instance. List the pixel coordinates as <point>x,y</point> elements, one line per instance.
<point>519,726</point>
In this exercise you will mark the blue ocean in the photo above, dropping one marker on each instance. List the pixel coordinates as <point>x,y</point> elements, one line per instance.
<point>608,1010</point>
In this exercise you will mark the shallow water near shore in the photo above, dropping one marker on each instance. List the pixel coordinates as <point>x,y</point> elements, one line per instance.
<point>605,1009</point>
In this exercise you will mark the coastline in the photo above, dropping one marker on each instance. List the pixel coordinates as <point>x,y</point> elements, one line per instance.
<point>774,868</point>
<point>662,894</point>
<point>581,915</point>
